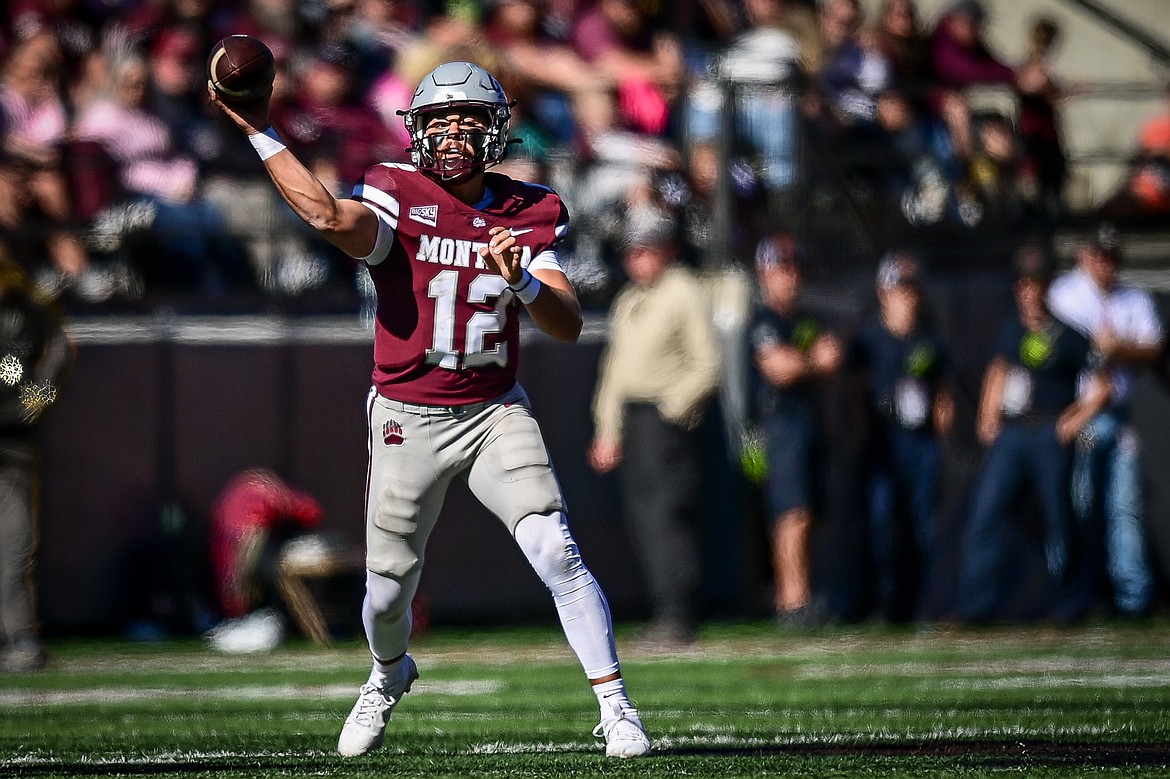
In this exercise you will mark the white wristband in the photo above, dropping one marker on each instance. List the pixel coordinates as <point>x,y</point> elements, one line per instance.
<point>267,143</point>
<point>527,288</point>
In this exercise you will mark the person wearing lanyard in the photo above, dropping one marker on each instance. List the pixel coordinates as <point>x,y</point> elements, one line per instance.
<point>1029,414</point>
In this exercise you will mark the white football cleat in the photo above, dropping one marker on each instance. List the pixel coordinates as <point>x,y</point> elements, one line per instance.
<point>623,733</point>
<point>366,723</point>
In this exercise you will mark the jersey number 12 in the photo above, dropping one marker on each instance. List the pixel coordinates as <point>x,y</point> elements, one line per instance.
<point>443,289</point>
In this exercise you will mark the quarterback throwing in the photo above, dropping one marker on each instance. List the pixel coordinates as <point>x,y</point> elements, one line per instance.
<point>454,251</point>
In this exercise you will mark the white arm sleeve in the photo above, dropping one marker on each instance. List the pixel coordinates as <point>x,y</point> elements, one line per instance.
<point>546,260</point>
<point>384,240</point>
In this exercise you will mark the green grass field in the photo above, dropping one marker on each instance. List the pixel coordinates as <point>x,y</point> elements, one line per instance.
<point>749,700</point>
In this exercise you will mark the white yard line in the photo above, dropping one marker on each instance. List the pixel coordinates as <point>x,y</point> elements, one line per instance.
<point>251,692</point>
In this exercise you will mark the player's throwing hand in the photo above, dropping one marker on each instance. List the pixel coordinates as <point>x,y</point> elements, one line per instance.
<point>250,117</point>
<point>503,253</point>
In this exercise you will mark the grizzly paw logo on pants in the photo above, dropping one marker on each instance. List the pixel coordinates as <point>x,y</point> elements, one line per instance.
<point>392,433</point>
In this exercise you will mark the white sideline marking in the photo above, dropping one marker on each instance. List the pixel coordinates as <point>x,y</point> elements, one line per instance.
<point>1082,667</point>
<point>166,758</point>
<point>321,692</point>
<point>1117,681</point>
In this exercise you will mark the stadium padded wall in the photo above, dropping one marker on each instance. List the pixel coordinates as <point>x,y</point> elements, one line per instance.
<point>149,430</point>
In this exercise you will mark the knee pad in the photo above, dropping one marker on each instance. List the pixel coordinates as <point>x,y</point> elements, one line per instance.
<point>549,546</point>
<point>387,598</point>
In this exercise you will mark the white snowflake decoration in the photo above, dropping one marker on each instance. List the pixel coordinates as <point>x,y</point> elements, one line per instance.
<point>11,371</point>
<point>36,398</point>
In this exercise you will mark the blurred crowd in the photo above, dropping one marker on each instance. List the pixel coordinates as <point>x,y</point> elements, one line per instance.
<point>119,183</point>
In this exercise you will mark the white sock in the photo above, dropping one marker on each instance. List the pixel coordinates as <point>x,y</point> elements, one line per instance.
<point>612,695</point>
<point>383,675</point>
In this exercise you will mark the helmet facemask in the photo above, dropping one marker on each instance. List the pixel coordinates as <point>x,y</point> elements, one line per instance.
<point>458,153</point>
<point>458,88</point>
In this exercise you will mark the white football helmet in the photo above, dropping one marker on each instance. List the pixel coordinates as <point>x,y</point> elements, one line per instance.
<point>456,85</point>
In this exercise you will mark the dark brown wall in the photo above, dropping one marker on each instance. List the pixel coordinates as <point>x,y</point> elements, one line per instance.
<point>116,453</point>
<point>143,426</point>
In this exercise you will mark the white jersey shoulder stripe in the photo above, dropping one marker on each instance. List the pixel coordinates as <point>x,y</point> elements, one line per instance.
<point>383,200</point>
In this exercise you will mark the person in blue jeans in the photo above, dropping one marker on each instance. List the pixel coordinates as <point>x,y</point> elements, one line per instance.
<point>905,372</point>
<point>1126,331</point>
<point>1028,417</point>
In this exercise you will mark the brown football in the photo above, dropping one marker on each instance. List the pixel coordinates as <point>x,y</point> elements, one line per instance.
<point>241,69</point>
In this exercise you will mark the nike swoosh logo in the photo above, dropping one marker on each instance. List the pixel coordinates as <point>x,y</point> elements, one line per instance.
<point>520,231</point>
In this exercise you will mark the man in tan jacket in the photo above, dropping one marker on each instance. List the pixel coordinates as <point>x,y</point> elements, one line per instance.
<point>658,374</point>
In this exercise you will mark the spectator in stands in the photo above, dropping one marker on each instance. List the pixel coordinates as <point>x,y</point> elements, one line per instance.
<point>900,38</point>
<point>960,58</point>
<point>658,375</point>
<point>284,25</point>
<point>1003,186</point>
<point>374,32</point>
<point>1041,139</point>
<point>617,40</point>
<point>195,16</point>
<point>914,160</point>
<point>539,70</point>
<point>386,30</point>
<point>231,176</point>
<point>959,55</point>
<point>74,24</point>
<point>767,63</point>
<point>177,91</point>
<point>793,353</point>
<point>905,370</point>
<point>187,246</point>
<point>389,94</point>
<point>383,28</point>
<point>1146,190</point>
<point>1029,415</point>
<point>335,130</point>
<point>693,192</point>
<point>335,120</point>
<point>614,166</point>
<point>854,70</point>
<point>1127,335</point>
<point>36,204</point>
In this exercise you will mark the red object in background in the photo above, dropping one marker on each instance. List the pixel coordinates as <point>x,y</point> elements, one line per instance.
<point>252,505</point>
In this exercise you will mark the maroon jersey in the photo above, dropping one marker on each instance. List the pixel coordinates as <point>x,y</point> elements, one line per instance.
<point>447,328</point>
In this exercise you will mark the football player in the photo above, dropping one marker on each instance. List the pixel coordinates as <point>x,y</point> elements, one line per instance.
<point>454,251</point>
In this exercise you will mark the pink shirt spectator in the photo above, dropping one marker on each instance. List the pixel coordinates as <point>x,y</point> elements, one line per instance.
<point>43,124</point>
<point>389,94</point>
<point>615,37</point>
<point>138,141</point>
